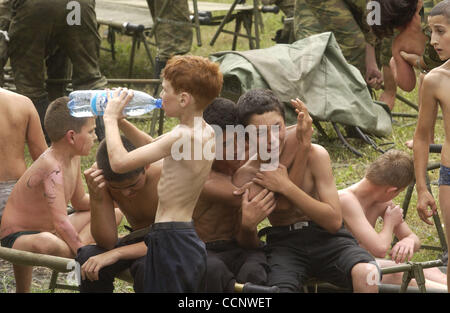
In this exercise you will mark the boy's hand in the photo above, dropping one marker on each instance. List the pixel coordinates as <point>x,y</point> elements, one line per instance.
<point>95,182</point>
<point>117,102</point>
<point>304,128</point>
<point>425,200</point>
<point>394,214</point>
<point>402,250</point>
<point>94,264</point>
<point>256,210</point>
<point>276,180</point>
<point>409,58</point>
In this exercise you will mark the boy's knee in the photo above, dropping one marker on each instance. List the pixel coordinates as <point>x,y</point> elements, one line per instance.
<point>45,243</point>
<point>366,276</point>
<point>254,273</point>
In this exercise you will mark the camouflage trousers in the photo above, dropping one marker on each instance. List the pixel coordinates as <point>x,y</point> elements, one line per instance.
<point>40,32</point>
<point>171,39</point>
<point>317,16</point>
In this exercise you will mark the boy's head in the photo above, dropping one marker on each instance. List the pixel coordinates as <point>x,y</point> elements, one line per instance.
<point>60,124</point>
<point>439,22</point>
<point>197,76</point>
<point>392,169</point>
<point>394,14</point>
<point>262,109</point>
<point>128,183</point>
<point>220,113</point>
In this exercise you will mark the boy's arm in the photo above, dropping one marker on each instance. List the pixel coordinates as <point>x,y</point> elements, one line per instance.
<point>137,137</point>
<point>355,220</point>
<point>35,135</point>
<point>80,199</point>
<point>327,211</point>
<point>122,161</point>
<point>428,108</point>
<point>103,221</point>
<point>94,264</point>
<point>54,195</point>
<point>219,188</point>
<point>406,246</point>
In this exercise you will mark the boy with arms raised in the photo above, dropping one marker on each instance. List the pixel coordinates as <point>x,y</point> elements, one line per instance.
<point>35,217</point>
<point>136,196</point>
<point>306,238</point>
<point>364,202</point>
<point>434,93</point>
<point>176,257</point>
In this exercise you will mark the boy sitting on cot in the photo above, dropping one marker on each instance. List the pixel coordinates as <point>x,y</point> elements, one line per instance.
<point>176,257</point>
<point>35,217</point>
<point>371,198</point>
<point>434,93</point>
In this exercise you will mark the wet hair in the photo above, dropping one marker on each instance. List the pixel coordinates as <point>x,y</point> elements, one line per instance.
<point>102,158</point>
<point>58,121</point>
<point>394,168</point>
<point>393,14</point>
<point>442,8</point>
<point>258,101</point>
<point>196,75</point>
<point>221,112</point>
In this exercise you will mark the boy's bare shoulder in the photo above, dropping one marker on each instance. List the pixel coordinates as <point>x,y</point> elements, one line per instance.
<point>318,154</point>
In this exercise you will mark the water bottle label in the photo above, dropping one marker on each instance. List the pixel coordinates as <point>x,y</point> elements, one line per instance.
<point>98,103</point>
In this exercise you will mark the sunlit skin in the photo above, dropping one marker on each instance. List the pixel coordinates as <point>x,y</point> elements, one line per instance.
<point>434,94</point>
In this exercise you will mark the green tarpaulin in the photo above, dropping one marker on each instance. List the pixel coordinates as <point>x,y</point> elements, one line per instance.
<point>312,69</point>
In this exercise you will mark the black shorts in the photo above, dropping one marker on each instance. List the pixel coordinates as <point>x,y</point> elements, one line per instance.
<point>176,259</point>
<point>297,255</point>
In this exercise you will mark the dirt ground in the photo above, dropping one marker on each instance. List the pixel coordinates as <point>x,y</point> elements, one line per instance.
<point>39,284</point>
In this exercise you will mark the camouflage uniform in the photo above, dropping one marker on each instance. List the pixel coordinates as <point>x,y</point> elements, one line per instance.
<point>5,18</point>
<point>345,18</point>
<point>39,28</point>
<point>171,39</point>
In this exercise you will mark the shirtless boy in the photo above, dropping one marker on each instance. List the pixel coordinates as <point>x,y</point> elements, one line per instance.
<point>228,223</point>
<point>176,257</point>
<point>135,194</point>
<point>35,217</point>
<point>371,198</point>
<point>20,125</point>
<point>313,222</point>
<point>434,95</point>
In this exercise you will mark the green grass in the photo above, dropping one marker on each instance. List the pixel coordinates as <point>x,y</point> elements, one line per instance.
<point>347,167</point>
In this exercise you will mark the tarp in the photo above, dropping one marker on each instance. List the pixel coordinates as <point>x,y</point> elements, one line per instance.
<point>312,69</point>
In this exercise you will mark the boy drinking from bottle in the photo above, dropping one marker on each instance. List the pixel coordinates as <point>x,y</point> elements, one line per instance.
<point>176,257</point>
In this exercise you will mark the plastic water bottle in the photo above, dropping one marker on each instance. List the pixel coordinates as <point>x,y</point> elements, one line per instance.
<point>87,103</point>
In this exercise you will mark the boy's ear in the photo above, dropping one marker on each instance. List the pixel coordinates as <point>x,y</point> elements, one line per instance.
<point>419,6</point>
<point>185,99</point>
<point>391,189</point>
<point>70,135</point>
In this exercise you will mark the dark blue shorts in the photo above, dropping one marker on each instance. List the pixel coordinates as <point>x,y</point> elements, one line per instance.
<point>176,259</point>
<point>444,176</point>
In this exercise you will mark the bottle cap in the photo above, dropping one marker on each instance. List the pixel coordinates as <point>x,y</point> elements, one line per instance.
<point>158,103</point>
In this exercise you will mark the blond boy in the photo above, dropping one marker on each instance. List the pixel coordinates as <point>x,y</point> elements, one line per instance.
<point>434,94</point>
<point>176,257</point>
<point>35,217</point>
<point>371,198</point>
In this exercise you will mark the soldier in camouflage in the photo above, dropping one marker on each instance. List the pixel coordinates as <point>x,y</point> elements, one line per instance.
<point>38,29</point>
<point>171,39</point>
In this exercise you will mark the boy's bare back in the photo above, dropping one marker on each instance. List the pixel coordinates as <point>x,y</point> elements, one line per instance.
<point>19,125</point>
